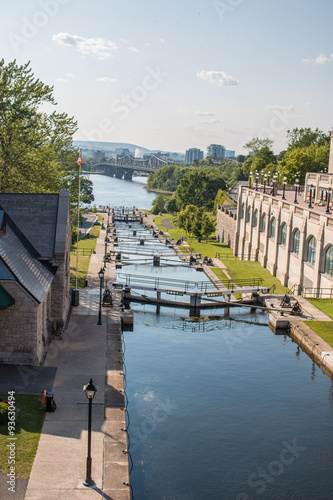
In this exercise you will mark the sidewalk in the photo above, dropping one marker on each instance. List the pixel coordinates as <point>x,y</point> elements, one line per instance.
<point>87,350</point>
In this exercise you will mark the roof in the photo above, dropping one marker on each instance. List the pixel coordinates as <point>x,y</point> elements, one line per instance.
<point>42,218</point>
<point>19,261</point>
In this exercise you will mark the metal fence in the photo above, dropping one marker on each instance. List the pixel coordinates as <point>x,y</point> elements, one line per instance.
<point>82,251</point>
<point>319,293</point>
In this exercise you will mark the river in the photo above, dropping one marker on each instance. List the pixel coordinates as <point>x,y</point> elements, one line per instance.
<point>221,409</point>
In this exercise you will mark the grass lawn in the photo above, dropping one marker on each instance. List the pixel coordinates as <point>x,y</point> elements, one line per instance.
<point>237,269</point>
<point>87,244</point>
<point>29,422</point>
<point>324,305</point>
<point>322,328</point>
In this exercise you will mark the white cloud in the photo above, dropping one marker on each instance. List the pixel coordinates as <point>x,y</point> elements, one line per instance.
<point>162,40</point>
<point>219,78</point>
<point>278,107</point>
<point>123,40</point>
<point>133,49</point>
<point>61,80</point>
<point>204,113</point>
<point>321,60</point>
<point>106,79</point>
<point>309,104</point>
<point>70,75</point>
<point>98,47</point>
<point>212,122</point>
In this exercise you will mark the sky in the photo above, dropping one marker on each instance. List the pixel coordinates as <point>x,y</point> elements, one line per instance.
<point>177,74</point>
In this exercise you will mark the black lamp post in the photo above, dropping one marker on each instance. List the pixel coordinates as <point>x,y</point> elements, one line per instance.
<point>101,276</point>
<point>265,179</point>
<point>257,176</point>
<point>296,187</point>
<point>328,200</point>
<point>278,176</point>
<point>90,390</point>
<point>284,188</point>
<point>310,203</point>
<point>105,250</point>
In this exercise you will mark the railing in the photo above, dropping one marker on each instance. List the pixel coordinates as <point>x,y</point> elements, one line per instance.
<point>189,285</point>
<point>228,256</point>
<point>320,293</point>
<point>82,251</point>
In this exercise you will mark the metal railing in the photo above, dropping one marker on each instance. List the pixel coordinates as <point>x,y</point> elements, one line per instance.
<point>202,286</point>
<point>319,293</point>
<point>82,251</point>
<point>223,256</point>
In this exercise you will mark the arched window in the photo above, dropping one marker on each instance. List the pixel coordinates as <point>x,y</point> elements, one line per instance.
<point>272,228</point>
<point>296,241</point>
<point>248,214</point>
<point>329,261</point>
<point>284,234</point>
<point>312,246</point>
<point>263,223</point>
<point>242,211</point>
<point>255,218</point>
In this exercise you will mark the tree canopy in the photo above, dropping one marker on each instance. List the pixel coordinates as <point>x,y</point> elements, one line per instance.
<point>36,148</point>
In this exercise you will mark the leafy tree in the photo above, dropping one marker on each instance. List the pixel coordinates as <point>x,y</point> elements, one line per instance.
<point>305,137</point>
<point>208,226</point>
<point>36,151</point>
<point>196,227</point>
<point>262,159</point>
<point>159,204</point>
<point>256,144</point>
<point>185,218</point>
<point>172,205</point>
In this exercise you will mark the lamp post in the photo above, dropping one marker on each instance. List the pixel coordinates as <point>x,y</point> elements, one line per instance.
<point>105,250</point>
<point>310,203</point>
<point>101,276</point>
<point>328,200</point>
<point>296,187</point>
<point>90,390</point>
<point>278,176</point>
<point>274,180</point>
<point>257,176</point>
<point>284,188</point>
<point>265,179</point>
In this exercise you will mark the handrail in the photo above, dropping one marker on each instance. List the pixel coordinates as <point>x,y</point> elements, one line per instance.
<point>319,293</point>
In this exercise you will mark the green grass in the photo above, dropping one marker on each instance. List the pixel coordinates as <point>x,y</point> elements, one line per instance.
<point>29,421</point>
<point>322,328</point>
<point>324,305</point>
<point>237,269</point>
<point>88,244</point>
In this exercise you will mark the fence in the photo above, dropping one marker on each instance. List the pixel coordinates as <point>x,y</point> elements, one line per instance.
<point>319,293</point>
<point>229,256</point>
<point>82,251</point>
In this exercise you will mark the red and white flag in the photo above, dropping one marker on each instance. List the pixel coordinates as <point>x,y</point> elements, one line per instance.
<point>79,161</point>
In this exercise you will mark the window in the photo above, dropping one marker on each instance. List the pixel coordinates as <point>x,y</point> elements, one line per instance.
<point>242,211</point>
<point>272,228</point>
<point>329,262</point>
<point>263,223</point>
<point>284,234</point>
<point>312,245</point>
<point>255,218</point>
<point>296,241</point>
<point>248,214</point>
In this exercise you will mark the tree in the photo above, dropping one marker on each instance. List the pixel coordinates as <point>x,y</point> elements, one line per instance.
<point>159,204</point>
<point>256,144</point>
<point>305,137</point>
<point>208,226</point>
<point>36,151</point>
<point>196,227</point>
<point>185,218</point>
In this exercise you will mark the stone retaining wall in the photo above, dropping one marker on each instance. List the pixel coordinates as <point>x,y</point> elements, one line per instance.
<point>226,226</point>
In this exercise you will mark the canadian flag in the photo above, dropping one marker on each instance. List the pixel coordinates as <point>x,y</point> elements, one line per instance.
<point>79,161</point>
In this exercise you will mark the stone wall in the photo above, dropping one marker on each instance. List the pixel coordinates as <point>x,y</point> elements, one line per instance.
<point>226,226</point>
<point>25,328</point>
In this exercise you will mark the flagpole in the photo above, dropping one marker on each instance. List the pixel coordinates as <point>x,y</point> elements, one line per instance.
<point>78,219</point>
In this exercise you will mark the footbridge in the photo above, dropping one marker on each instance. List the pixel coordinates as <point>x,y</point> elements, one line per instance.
<point>123,167</point>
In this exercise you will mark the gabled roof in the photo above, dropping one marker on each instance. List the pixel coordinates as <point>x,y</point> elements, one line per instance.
<point>42,218</point>
<point>19,261</point>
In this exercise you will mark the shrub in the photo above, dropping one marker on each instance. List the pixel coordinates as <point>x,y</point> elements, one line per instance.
<point>3,413</point>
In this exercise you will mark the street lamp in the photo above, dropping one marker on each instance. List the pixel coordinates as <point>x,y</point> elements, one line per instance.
<point>257,178</point>
<point>101,276</point>
<point>278,176</point>
<point>296,187</point>
<point>328,200</point>
<point>310,204</point>
<point>265,179</point>
<point>284,188</point>
<point>274,180</point>
<point>90,390</point>
<point>106,248</point>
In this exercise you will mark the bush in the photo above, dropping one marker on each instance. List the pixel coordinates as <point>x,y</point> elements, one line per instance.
<point>3,413</point>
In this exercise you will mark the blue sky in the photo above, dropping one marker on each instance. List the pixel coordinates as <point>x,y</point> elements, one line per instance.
<point>179,74</point>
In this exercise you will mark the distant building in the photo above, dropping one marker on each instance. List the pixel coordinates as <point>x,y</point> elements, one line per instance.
<point>98,155</point>
<point>122,151</point>
<point>193,154</point>
<point>216,151</point>
<point>230,154</point>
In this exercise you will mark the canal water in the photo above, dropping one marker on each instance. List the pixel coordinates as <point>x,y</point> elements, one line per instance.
<point>221,408</point>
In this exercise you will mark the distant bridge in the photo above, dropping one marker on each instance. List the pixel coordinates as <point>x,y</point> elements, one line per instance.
<point>124,166</point>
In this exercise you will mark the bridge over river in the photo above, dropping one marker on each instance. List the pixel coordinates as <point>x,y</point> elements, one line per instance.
<point>123,167</point>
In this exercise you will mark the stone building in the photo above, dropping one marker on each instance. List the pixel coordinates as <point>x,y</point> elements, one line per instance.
<point>288,233</point>
<point>35,239</point>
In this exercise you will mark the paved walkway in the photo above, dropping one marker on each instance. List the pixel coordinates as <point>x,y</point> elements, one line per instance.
<point>86,350</point>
